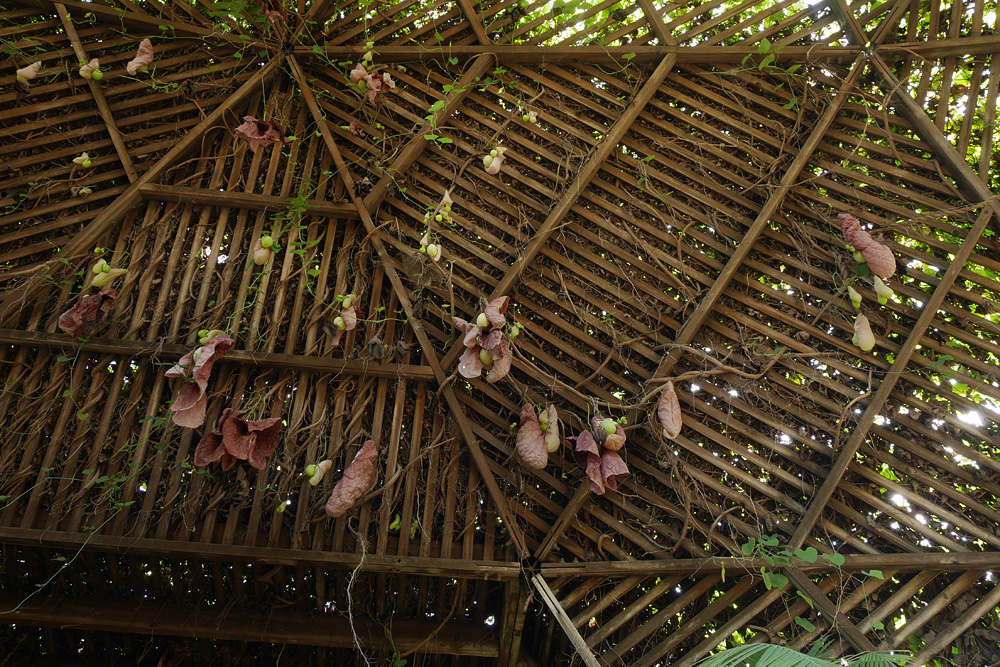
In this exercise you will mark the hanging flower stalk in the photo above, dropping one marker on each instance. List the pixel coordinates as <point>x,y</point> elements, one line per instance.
<point>877,255</point>
<point>196,367</point>
<point>442,214</point>
<point>487,346</point>
<point>236,439</point>
<point>355,481</point>
<point>538,436</point>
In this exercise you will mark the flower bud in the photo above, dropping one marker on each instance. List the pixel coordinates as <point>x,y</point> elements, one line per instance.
<point>482,321</point>
<point>884,291</point>
<point>855,296</point>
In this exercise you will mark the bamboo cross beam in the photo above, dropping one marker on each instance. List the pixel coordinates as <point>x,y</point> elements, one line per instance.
<point>29,289</point>
<point>499,500</point>
<point>708,302</point>
<point>98,95</point>
<point>899,367</point>
<point>565,622</point>
<point>474,21</point>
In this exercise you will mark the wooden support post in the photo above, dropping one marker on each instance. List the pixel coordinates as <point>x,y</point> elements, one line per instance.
<point>575,638</point>
<point>98,94</point>
<point>28,290</point>
<point>402,294</point>
<point>238,200</point>
<point>707,304</point>
<point>899,367</point>
<point>838,621</point>
<point>474,21</point>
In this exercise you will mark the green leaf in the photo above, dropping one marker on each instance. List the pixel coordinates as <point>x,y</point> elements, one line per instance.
<point>804,624</point>
<point>764,46</point>
<point>769,540</point>
<point>878,625</point>
<point>60,359</point>
<point>862,270</point>
<point>431,137</point>
<point>942,358</point>
<point>793,68</point>
<point>628,56</point>
<point>807,555</point>
<point>807,599</point>
<point>81,415</point>
<point>835,559</point>
<point>792,103</point>
<point>453,61</point>
<point>748,547</point>
<point>876,574</point>
<point>444,140</point>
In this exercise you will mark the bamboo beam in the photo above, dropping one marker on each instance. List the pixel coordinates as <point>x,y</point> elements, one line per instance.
<point>708,302</point>
<point>98,95</point>
<point>255,555</point>
<point>474,21</point>
<point>402,294</point>
<point>656,23</point>
<point>931,561</point>
<point>116,210</point>
<point>141,349</point>
<point>899,367</point>
<point>944,638</point>
<point>926,614</point>
<point>254,202</point>
<point>575,638</point>
<point>838,621</point>
<point>572,192</point>
<point>416,145</point>
<point>565,518</point>
<point>267,625</point>
<point>504,54</point>
<point>513,623</point>
<point>954,163</point>
<point>889,24</point>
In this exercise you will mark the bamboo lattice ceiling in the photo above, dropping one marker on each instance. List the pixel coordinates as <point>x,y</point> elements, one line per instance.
<point>666,209</point>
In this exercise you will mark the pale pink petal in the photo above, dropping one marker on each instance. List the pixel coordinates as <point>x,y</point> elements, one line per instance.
<point>209,449</point>
<point>469,364</point>
<point>88,314</point>
<point>588,457</point>
<point>490,340</point>
<point>471,331</point>
<point>143,58</point>
<point>879,257</point>
<point>612,467</point>
<point>495,309</point>
<point>669,411</point>
<point>552,440</point>
<point>616,440</point>
<point>530,440</point>
<point>356,480</point>
<point>359,73</point>
<point>191,411</point>
<point>502,359</point>
<point>863,330</point>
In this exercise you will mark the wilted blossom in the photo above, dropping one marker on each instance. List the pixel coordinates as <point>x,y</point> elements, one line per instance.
<point>196,367</point>
<point>259,133</point>
<point>356,480</point>
<point>29,72</point>
<point>669,411</point>
<point>879,257</point>
<point>88,314</point>
<point>236,439</point>
<point>373,84</point>
<point>493,160</point>
<point>863,336</point>
<point>143,58</point>
<point>487,347</point>
<point>273,11</point>
<point>346,321</point>
<point>603,465</point>
<point>538,436</point>
<point>356,129</point>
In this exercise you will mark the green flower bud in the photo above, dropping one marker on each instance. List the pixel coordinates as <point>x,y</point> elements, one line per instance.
<point>482,321</point>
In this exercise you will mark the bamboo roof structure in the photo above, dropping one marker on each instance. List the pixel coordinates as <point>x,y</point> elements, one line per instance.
<point>666,204</point>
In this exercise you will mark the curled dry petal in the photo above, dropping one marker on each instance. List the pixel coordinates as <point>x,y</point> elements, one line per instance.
<point>552,431</point>
<point>273,11</point>
<point>259,133</point>
<point>495,309</point>
<point>494,167</point>
<point>87,71</point>
<point>863,332</point>
<point>502,358</point>
<point>350,317</point>
<point>29,72</point>
<point>357,477</point>
<point>612,467</point>
<point>356,129</point>
<point>189,408</point>
<point>669,411</point>
<point>359,73</point>
<point>471,331</point>
<point>531,440</point>
<point>88,314</point>
<point>469,364</point>
<point>143,58</point>
<point>491,340</point>
<point>616,440</point>
<point>236,439</point>
<point>879,257</point>
<point>588,457</point>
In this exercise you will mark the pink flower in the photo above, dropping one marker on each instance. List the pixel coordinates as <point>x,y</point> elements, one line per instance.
<point>495,161</point>
<point>143,58</point>
<point>879,257</point>
<point>531,440</point>
<point>273,11</point>
<point>189,408</point>
<point>346,321</point>
<point>356,480</point>
<point>604,466</point>
<point>488,347</point>
<point>374,83</point>
<point>612,468</point>
<point>88,314</point>
<point>236,439</point>
<point>259,133</point>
